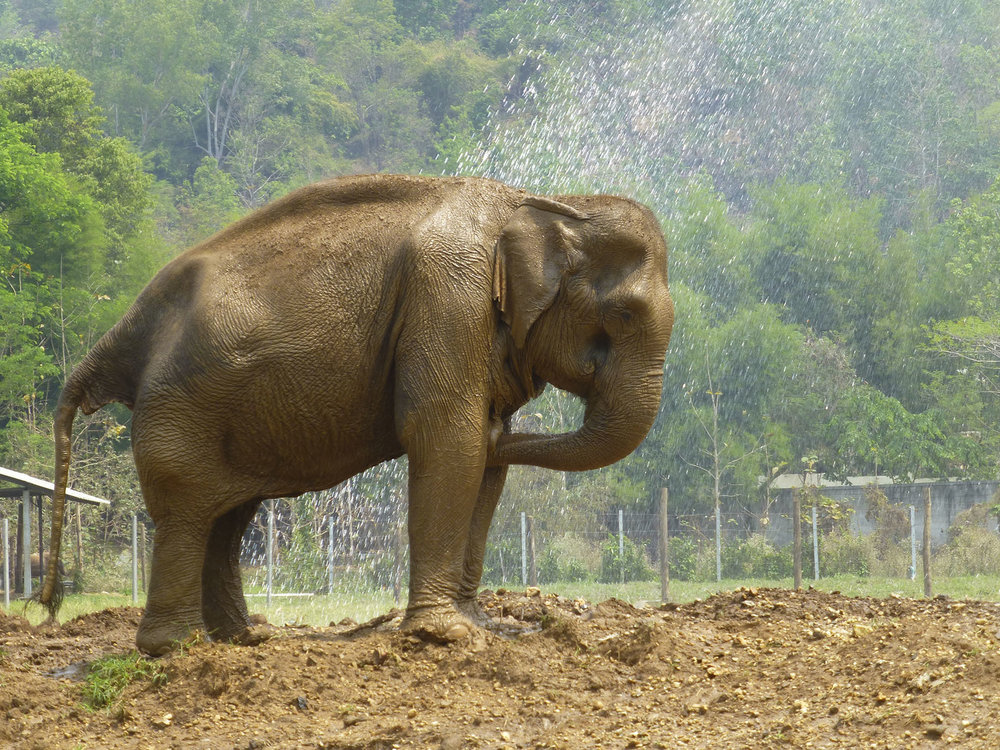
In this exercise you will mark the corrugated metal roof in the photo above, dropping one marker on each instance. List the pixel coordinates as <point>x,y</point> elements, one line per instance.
<point>42,487</point>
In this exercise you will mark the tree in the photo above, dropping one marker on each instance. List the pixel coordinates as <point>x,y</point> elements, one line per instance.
<point>872,432</point>
<point>45,227</point>
<point>57,107</point>
<point>145,59</point>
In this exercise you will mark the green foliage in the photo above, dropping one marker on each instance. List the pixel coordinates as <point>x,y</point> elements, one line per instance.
<point>973,547</point>
<point>975,225</point>
<point>568,557</point>
<point>842,300</point>
<point>876,431</point>
<point>626,564</point>
<point>755,557</point>
<point>683,558</point>
<point>846,554</point>
<point>108,677</point>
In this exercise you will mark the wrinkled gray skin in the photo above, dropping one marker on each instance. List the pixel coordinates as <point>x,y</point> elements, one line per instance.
<point>354,321</point>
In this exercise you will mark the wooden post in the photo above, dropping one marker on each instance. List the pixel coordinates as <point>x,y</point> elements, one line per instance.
<point>524,548</point>
<point>797,538</point>
<point>621,542</point>
<point>532,563</point>
<point>927,542</point>
<point>664,549</point>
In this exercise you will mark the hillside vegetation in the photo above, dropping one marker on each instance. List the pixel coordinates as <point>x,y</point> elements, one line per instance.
<point>828,186</point>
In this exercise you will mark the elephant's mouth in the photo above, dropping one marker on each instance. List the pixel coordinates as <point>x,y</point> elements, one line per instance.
<point>537,385</point>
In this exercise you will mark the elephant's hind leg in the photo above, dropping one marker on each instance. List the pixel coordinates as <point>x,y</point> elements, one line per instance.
<point>223,606</point>
<point>173,604</point>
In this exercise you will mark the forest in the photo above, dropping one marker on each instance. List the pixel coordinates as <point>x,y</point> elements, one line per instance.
<point>827,174</point>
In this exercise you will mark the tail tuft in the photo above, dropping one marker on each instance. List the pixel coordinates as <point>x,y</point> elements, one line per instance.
<point>53,603</point>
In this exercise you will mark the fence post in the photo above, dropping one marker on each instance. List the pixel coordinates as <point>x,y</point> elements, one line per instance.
<point>397,582</point>
<point>6,564</point>
<point>815,546</point>
<point>913,543</point>
<point>26,542</point>
<point>135,559</point>
<point>797,538</point>
<point>927,542</point>
<point>532,563</point>
<point>664,549</point>
<point>621,544</point>
<point>524,549</point>
<point>142,555</point>
<point>329,554</point>
<point>718,542</point>
<point>270,550</point>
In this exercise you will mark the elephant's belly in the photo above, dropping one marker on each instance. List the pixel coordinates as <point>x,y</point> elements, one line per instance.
<point>271,435</point>
<point>309,443</point>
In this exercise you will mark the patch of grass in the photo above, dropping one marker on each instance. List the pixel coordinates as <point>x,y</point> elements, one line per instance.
<point>354,602</point>
<point>107,678</point>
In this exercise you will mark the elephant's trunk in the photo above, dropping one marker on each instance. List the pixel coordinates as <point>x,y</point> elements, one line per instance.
<point>617,419</point>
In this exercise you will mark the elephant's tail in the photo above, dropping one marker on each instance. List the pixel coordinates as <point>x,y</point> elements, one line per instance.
<point>72,396</point>
<point>91,385</point>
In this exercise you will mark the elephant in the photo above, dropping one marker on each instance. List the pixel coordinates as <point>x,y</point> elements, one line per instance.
<point>37,566</point>
<point>351,322</point>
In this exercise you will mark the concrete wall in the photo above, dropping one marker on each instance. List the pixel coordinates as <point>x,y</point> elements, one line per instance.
<point>948,499</point>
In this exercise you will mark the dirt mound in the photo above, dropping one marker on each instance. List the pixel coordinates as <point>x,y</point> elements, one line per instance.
<point>751,667</point>
<point>96,623</point>
<point>13,624</point>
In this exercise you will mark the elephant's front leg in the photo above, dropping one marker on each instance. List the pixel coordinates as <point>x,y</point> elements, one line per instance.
<point>444,487</point>
<point>489,495</point>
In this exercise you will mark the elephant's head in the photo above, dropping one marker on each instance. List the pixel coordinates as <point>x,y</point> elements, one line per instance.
<point>582,283</point>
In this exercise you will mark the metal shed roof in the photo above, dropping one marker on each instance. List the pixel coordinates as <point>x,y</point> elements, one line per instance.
<point>41,487</point>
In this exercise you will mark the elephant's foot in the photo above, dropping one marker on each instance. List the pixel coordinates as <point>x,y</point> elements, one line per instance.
<point>471,608</point>
<point>159,636</point>
<point>254,635</point>
<point>442,623</point>
<point>226,621</point>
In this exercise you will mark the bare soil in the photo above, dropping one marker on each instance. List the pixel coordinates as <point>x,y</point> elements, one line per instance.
<point>751,668</point>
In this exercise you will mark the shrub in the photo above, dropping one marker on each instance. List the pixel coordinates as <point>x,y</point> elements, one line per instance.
<point>629,564</point>
<point>301,566</point>
<point>755,557</point>
<point>842,553</point>
<point>972,548</point>
<point>892,523</point>
<point>568,557</point>
<point>683,558</point>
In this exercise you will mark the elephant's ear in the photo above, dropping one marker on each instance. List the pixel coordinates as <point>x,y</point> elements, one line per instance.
<point>533,252</point>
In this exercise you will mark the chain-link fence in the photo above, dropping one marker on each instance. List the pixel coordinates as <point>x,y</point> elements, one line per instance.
<point>292,549</point>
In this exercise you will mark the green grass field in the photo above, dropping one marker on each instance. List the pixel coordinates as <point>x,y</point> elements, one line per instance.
<point>361,605</point>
